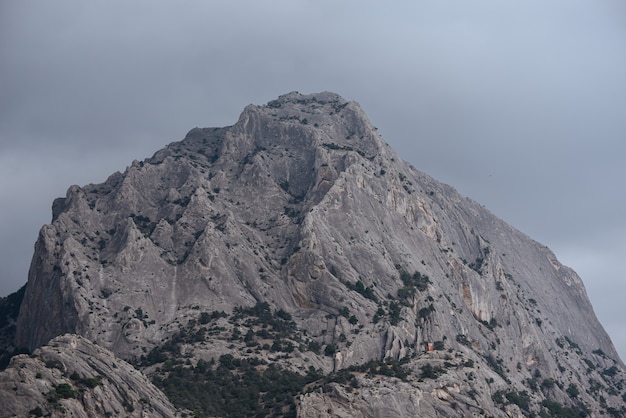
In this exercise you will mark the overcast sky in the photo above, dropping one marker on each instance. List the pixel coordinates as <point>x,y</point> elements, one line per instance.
<point>520,104</point>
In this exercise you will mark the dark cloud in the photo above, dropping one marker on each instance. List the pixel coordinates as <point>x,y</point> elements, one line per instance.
<point>519,105</point>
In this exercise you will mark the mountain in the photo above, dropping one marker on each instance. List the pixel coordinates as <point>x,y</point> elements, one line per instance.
<point>292,264</point>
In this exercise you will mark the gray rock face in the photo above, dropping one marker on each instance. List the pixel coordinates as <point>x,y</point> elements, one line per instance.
<point>73,377</point>
<point>303,206</point>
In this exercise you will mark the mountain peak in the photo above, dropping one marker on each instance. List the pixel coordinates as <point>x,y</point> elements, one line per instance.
<point>295,97</point>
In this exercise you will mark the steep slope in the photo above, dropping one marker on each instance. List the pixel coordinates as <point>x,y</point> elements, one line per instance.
<point>298,237</point>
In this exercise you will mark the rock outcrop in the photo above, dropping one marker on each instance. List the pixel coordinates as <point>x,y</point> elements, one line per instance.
<point>297,237</point>
<point>73,377</point>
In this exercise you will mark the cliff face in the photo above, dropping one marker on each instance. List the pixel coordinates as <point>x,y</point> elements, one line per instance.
<point>301,221</point>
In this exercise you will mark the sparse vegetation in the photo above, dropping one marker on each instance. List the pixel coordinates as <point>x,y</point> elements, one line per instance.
<point>424,313</point>
<point>496,365</point>
<point>521,399</point>
<point>359,287</point>
<point>462,338</point>
<point>90,382</point>
<point>62,391</point>
<point>37,412</point>
<point>477,265</point>
<point>417,280</point>
<point>394,312</point>
<point>330,350</point>
<point>143,223</point>
<point>431,372</point>
<point>556,410</point>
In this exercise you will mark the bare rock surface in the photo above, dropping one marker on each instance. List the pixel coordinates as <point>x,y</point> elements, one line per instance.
<point>298,237</point>
<point>71,377</point>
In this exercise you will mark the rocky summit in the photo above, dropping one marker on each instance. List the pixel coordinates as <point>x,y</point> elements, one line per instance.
<point>294,265</point>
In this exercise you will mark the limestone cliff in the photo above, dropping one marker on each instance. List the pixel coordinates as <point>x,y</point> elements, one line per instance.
<point>299,231</point>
